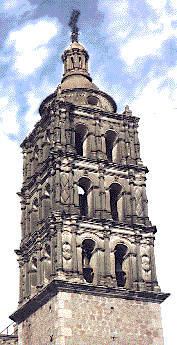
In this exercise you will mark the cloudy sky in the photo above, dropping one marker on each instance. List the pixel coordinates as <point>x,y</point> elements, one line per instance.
<point>133,56</point>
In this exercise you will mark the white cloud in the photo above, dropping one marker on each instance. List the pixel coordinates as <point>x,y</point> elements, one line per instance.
<point>32,115</point>
<point>28,61</point>
<point>120,7</point>
<point>174,3</point>
<point>116,19</point>
<point>31,44</point>
<point>151,43</point>
<point>139,47</point>
<point>8,113</point>
<point>157,5</point>
<point>173,73</point>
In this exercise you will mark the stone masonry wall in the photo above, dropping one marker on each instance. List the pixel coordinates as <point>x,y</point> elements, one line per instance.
<point>72,318</point>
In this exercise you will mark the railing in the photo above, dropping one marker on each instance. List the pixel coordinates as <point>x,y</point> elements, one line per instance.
<point>6,330</point>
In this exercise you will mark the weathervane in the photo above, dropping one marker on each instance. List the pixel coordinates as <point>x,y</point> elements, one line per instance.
<point>73,24</point>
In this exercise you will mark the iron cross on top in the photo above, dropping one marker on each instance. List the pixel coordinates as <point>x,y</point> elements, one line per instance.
<point>73,24</point>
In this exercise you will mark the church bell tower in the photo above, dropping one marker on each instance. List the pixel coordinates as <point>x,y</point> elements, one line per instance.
<point>87,266</point>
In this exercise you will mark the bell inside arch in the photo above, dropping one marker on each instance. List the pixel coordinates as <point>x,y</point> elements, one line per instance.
<point>87,251</point>
<point>120,252</point>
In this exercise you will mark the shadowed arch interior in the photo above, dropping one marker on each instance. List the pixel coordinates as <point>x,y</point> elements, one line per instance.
<point>88,246</point>
<point>83,190</point>
<point>115,190</point>
<point>80,133</point>
<point>120,252</point>
<point>110,138</point>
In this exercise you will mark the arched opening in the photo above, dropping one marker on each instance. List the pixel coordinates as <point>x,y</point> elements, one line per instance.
<point>46,144</point>
<point>46,201</point>
<point>33,275</point>
<point>110,139</point>
<point>83,191</point>
<point>114,190</point>
<point>120,252</point>
<point>88,246</point>
<point>34,163</point>
<point>72,62</point>
<point>34,215</point>
<point>47,265</point>
<point>80,133</point>
<point>92,100</point>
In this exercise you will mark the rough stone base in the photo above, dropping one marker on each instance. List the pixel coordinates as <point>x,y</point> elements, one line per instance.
<point>85,319</point>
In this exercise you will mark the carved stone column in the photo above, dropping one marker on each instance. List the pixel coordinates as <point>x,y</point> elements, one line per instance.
<point>40,150</point>
<point>53,246</point>
<point>139,279</point>
<point>21,285</point>
<point>133,271</point>
<point>98,139</point>
<point>23,221</point>
<point>153,266</point>
<point>57,187</point>
<point>102,193</point>
<point>132,197</point>
<point>39,265</point>
<point>59,225</point>
<point>144,203</point>
<point>27,280</point>
<point>122,147</point>
<point>73,243</point>
<point>107,262</point>
<point>27,213</point>
<point>39,188</point>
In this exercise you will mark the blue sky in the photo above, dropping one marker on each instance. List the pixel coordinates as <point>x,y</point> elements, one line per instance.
<point>133,57</point>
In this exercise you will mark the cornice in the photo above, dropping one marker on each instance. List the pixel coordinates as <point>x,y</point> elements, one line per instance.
<point>73,107</point>
<point>57,285</point>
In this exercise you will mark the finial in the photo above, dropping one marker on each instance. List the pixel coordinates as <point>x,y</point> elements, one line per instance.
<point>73,24</point>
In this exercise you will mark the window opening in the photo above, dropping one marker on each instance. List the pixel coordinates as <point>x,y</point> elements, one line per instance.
<point>114,190</point>
<point>72,61</point>
<point>92,100</point>
<point>120,251</point>
<point>83,190</point>
<point>87,251</point>
<point>110,139</point>
<point>80,132</point>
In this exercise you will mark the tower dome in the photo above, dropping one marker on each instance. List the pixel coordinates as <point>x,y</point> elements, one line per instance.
<point>76,85</point>
<point>76,74</point>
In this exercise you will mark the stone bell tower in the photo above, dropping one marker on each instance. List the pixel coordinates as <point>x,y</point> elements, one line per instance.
<point>87,269</point>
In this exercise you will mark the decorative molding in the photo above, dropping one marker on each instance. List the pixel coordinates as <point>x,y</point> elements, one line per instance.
<point>56,285</point>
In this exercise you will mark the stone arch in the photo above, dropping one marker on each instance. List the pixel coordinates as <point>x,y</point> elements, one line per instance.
<point>111,145</point>
<point>88,246</point>
<point>46,263</point>
<point>88,235</point>
<point>93,260</point>
<point>127,259</point>
<point>34,159</point>
<point>119,257</point>
<point>33,274</point>
<point>85,196</point>
<point>82,140</point>
<point>115,192</point>
<point>46,201</point>
<point>34,215</point>
<point>46,144</point>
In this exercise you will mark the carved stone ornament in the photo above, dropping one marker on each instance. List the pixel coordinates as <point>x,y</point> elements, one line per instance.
<point>67,254</point>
